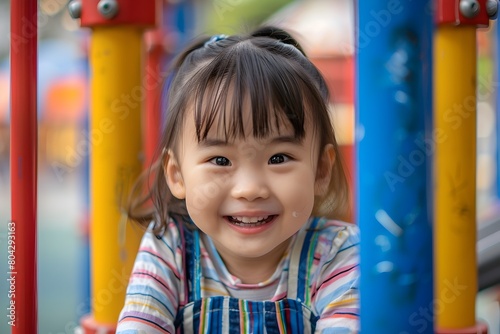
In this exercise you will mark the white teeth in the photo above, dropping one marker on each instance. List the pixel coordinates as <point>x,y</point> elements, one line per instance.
<point>247,220</point>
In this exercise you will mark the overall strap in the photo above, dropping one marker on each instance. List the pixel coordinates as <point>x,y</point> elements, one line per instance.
<point>301,260</point>
<point>192,263</point>
<point>197,266</point>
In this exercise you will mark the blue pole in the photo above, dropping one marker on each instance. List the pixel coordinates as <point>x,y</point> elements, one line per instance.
<point>497,107</point>
<point>85,250</point>
<point>394,149</point>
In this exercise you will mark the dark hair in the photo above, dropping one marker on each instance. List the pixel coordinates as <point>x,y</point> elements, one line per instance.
<point>269,68</point>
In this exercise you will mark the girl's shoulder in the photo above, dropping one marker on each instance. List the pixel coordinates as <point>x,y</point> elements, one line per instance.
<point>171,236</point>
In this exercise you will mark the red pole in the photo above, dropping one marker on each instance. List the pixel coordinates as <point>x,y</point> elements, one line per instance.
<point>153,85</point>
<point>22,273</point>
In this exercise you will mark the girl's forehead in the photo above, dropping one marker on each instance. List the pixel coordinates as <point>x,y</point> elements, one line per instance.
<point>225,119</point>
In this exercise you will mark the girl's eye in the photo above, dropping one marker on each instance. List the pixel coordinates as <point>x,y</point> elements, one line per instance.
<point>278,159</point>
<point>221,161</point>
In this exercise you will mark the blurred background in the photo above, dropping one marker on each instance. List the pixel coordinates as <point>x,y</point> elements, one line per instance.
<point>326,30</point>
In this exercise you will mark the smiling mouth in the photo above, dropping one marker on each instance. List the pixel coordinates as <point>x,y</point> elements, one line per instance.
<point>250,221</point>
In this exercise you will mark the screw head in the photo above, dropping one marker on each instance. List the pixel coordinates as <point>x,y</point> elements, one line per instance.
<point>108,8</point>
<point>469,8</point>
<point>492,8</point>
<point>75,9</point>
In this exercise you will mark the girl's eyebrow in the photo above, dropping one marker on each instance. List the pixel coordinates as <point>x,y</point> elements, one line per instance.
<point>210,142</point>
<point>286,139</point>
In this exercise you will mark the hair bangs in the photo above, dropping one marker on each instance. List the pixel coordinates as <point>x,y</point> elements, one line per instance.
<point>241,80</point>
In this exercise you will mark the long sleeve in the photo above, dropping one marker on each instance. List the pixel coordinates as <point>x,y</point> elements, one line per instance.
<point>336,294</point>
<point>155,287</point>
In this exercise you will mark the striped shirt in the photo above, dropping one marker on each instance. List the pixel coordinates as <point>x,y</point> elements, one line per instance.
<point>157,289</point>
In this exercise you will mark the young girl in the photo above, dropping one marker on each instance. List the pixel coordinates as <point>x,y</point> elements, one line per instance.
<point>243,237</point>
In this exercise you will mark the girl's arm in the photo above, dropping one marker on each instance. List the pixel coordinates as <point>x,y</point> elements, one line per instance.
<point>154,288</point>
<point>337,297</point>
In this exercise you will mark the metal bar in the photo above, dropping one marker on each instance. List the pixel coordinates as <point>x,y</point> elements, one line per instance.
<point>118,90</point>
<point>455,174</point>
<point>394,144</point>
<point>23,171</point>
<point>115,133</point>
<point>497,30</point>
<point>153,86</point>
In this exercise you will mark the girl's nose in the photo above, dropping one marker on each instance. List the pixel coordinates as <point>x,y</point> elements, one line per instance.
<point>250,186</point>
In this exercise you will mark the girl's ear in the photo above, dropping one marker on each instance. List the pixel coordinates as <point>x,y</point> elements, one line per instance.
<point>173,176</point>
<point>324,170</point>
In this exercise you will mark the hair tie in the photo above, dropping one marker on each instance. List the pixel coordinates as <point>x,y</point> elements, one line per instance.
<point>215,38</point>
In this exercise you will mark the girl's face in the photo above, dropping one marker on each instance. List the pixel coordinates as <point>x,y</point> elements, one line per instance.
<point>249,195</point>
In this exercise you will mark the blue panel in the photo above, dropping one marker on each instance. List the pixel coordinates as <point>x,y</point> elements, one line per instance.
<point>394,150</point>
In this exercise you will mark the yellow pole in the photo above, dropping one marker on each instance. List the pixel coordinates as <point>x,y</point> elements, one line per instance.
<point>115,133</point>
<point>455,176</point>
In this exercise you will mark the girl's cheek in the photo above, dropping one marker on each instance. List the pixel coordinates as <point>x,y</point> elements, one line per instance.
<point>205,191</point>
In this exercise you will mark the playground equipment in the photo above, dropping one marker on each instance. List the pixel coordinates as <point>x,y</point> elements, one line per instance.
<point>455,278</point>
<point>23,173</point>
<point>395,78</point>
<point>394,91</point>
<point>412,69</point>
<point>118,88</point>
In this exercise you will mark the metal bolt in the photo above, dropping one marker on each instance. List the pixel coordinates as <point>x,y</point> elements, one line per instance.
<point>469,8</point>
<point>75,9</point>
<point>108,8</point>
<point>492,8</point>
